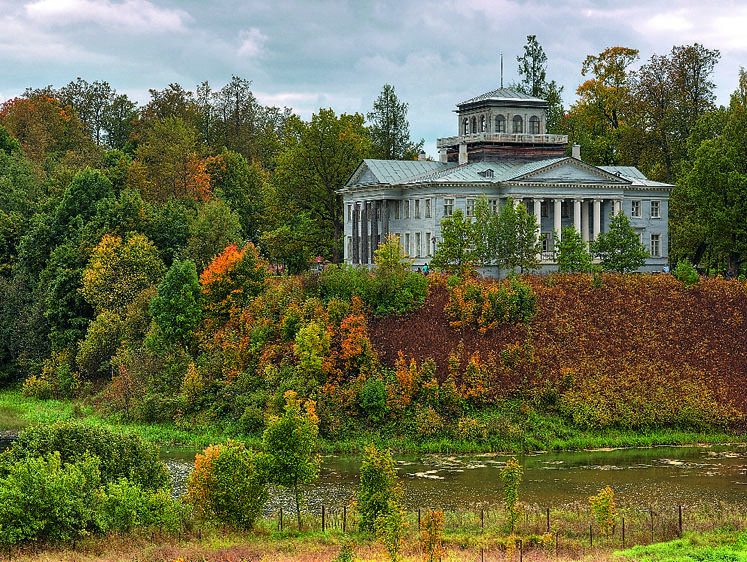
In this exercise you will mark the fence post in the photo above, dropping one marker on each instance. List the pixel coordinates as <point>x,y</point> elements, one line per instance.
<point>591,535</point>
<point>548,519</point>
<point>418,518</point>
<point>323,520</point>
<point>680,521</point>
<point>482,518</point>
<point>281,518</point>
<point>623,532</point>
<point>344,517</point>
<point>521,550</point>
<point>652,526</point>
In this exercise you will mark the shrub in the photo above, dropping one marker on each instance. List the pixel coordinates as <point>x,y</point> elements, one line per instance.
<point>125,506</point>
<point>511,476</point>
<point>379,486</point>
<point>685,272</point>
<point>373,398</point>
<point>603,506</point>
<point>228,485</point>
<point>42,499</point>
<point>120,454</point>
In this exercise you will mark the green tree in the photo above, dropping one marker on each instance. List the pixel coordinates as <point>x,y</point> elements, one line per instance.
<point>318,158</point>
<point>533,70</point>
<point>573,254</point>
<point>511,477</point>
<point>518,244</point>
<point>290,444</point>
<point>389,129</point>
<point>379,485</point>
<point>212,228</point>
<point>455,251</point>
<point>177,308</point>
<point>486,228</point>
<point>620,248</point>
<point>390,258</point>
<point>228,485</point>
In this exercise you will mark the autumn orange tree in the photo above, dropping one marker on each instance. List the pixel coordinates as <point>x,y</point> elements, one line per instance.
<point>232,279</point>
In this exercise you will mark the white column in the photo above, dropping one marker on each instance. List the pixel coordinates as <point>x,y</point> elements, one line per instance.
<point>517,201</point>
<point>538,216</point>
<point>597,217</point>
<point>577,215</point>
<point>585,221</point>
<point>557,222</point>
<point>617,207</point>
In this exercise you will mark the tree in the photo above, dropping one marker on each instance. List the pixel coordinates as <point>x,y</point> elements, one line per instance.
<point>573,254</point>
<point>533,70</point>
<point>177,309</point>
<point>486,228</point>
<point>390,131</point>
<point>619,248</point>
<point>318,158</point>
<point>228,485</point>
<point>511,476</point>
<point>715,187</point>
<point>518,244</point>
<point>290,443</point>
<point>119,270</point>
<point>390,258</point>
<point>455,251</point>
<point>211,229</point>
<point>379,485</point>
<point>233,279</point>
<point>91,103</point>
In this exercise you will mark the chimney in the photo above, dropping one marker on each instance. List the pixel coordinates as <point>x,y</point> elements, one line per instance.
<point>443,155</point>
<point>463,154</point>
<point>421,155</point>
<point>576,151</point>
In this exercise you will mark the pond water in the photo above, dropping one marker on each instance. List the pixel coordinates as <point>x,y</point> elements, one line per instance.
<point>641,477</point>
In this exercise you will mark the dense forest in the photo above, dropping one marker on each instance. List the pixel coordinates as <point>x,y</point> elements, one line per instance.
<point>154,259</point>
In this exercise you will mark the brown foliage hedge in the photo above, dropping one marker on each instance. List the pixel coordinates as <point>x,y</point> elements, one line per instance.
<point>637,350</point>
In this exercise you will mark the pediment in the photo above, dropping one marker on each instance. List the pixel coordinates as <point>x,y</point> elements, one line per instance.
<point>570,170</point>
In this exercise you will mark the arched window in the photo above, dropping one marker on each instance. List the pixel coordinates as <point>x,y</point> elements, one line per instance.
<point>482,123</point>
<point>534,125</point>
<point>518,124</point>
<point>465,129</point>
<point>500,124</point>
<point>474,125</point>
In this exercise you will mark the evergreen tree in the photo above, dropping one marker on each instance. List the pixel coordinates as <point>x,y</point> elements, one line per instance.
<point>390,131</point>
<point>177,309</point>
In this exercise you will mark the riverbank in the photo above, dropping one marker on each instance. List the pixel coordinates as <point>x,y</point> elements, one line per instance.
<point>539,432</point>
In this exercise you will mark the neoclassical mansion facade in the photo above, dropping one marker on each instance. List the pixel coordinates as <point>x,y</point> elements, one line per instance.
<point>502,152</point>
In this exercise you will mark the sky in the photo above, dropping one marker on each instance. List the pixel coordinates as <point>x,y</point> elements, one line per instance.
<point>309,54</point>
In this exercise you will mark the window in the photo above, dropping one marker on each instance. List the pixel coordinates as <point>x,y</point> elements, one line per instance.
<point>534,125</point>
<point>474,125</point>
<point>565,209</point>
<point>500,124</point>
<point>417,208</point>
<point>655,245</point>
<point>655,209</point>
<point>544,209</point>
<point>635,209</point>
<point>465,128</point>
<point>428,237</point>
<point>448,207</point>
<point>470,208</point>
<point>493,204</point>
<point>482,123</point>
<point>417,245</point>
<point>407,243</point>
<point>396,209</point>
<point>427,208</point>
<point>350,213</point>
<point>518,124</point>
<point>406,203</point>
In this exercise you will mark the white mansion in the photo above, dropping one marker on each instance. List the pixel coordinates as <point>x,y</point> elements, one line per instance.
<point>502,151</point>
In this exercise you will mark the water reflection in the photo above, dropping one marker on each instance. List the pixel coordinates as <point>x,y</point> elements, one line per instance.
<point>667,476</point>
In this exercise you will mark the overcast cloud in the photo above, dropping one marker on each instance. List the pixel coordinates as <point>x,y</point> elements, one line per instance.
<point>307,54</point>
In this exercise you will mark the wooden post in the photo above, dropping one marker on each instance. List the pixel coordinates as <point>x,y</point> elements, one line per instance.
<point>281,518</point>
<point>344,517</point>
<point>591,535</point>
<point>623,532</point>
<point>548,519</point>
<point>482,518</point>
<point>521,550</point>
<point>418,518</point>
<point>652,526</point>
<point>323,520</point>
<point>556,544</point>
<point>680,521</point>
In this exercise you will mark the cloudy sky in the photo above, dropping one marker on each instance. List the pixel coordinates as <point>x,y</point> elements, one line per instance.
<point>307,54</point>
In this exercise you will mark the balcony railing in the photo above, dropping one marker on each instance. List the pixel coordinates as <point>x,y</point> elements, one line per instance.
<point>502,137</point>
